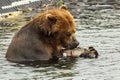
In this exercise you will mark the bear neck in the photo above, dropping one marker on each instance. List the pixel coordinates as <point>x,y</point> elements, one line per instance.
<point>44,35</point>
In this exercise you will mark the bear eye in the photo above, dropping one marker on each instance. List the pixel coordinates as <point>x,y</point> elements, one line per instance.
<point>68,34</point>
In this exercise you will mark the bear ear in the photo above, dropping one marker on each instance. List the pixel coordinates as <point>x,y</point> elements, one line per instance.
<point>51,18</point>
<point>63,7</point>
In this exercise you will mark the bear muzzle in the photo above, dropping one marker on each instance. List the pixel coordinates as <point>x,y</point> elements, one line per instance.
<point>73,44</point>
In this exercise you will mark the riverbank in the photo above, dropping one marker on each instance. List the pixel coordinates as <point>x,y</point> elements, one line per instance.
<point>78,8</point>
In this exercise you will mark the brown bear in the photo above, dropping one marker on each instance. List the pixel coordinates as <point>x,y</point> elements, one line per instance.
<point>44,37</point>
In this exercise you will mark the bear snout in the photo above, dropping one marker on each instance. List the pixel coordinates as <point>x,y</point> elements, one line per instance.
<point>73,44</point>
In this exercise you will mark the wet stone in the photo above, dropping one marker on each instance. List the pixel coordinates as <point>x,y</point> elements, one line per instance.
<point>5,23</point>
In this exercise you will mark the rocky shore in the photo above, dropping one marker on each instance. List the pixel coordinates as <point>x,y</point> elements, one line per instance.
<point>76,7</point>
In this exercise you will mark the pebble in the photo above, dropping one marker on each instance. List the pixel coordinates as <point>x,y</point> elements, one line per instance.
<point>6,23</point>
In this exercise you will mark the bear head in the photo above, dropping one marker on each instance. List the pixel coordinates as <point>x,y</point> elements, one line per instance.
<point>60,25</point>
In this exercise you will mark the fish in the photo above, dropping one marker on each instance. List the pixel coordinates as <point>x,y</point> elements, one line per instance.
<point>89,52</point>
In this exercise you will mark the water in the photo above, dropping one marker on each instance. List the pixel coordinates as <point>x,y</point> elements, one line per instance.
<point>100,29</point>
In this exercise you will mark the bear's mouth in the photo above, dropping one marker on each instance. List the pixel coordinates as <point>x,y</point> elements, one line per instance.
<point>73,45</point>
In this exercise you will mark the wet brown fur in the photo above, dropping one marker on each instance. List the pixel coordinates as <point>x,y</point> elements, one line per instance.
<point>43,37</point>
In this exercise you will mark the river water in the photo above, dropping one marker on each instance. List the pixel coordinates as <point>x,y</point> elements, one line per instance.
<point>100,29</point>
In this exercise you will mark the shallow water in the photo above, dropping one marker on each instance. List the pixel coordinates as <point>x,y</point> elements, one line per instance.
<point>100,29</point>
